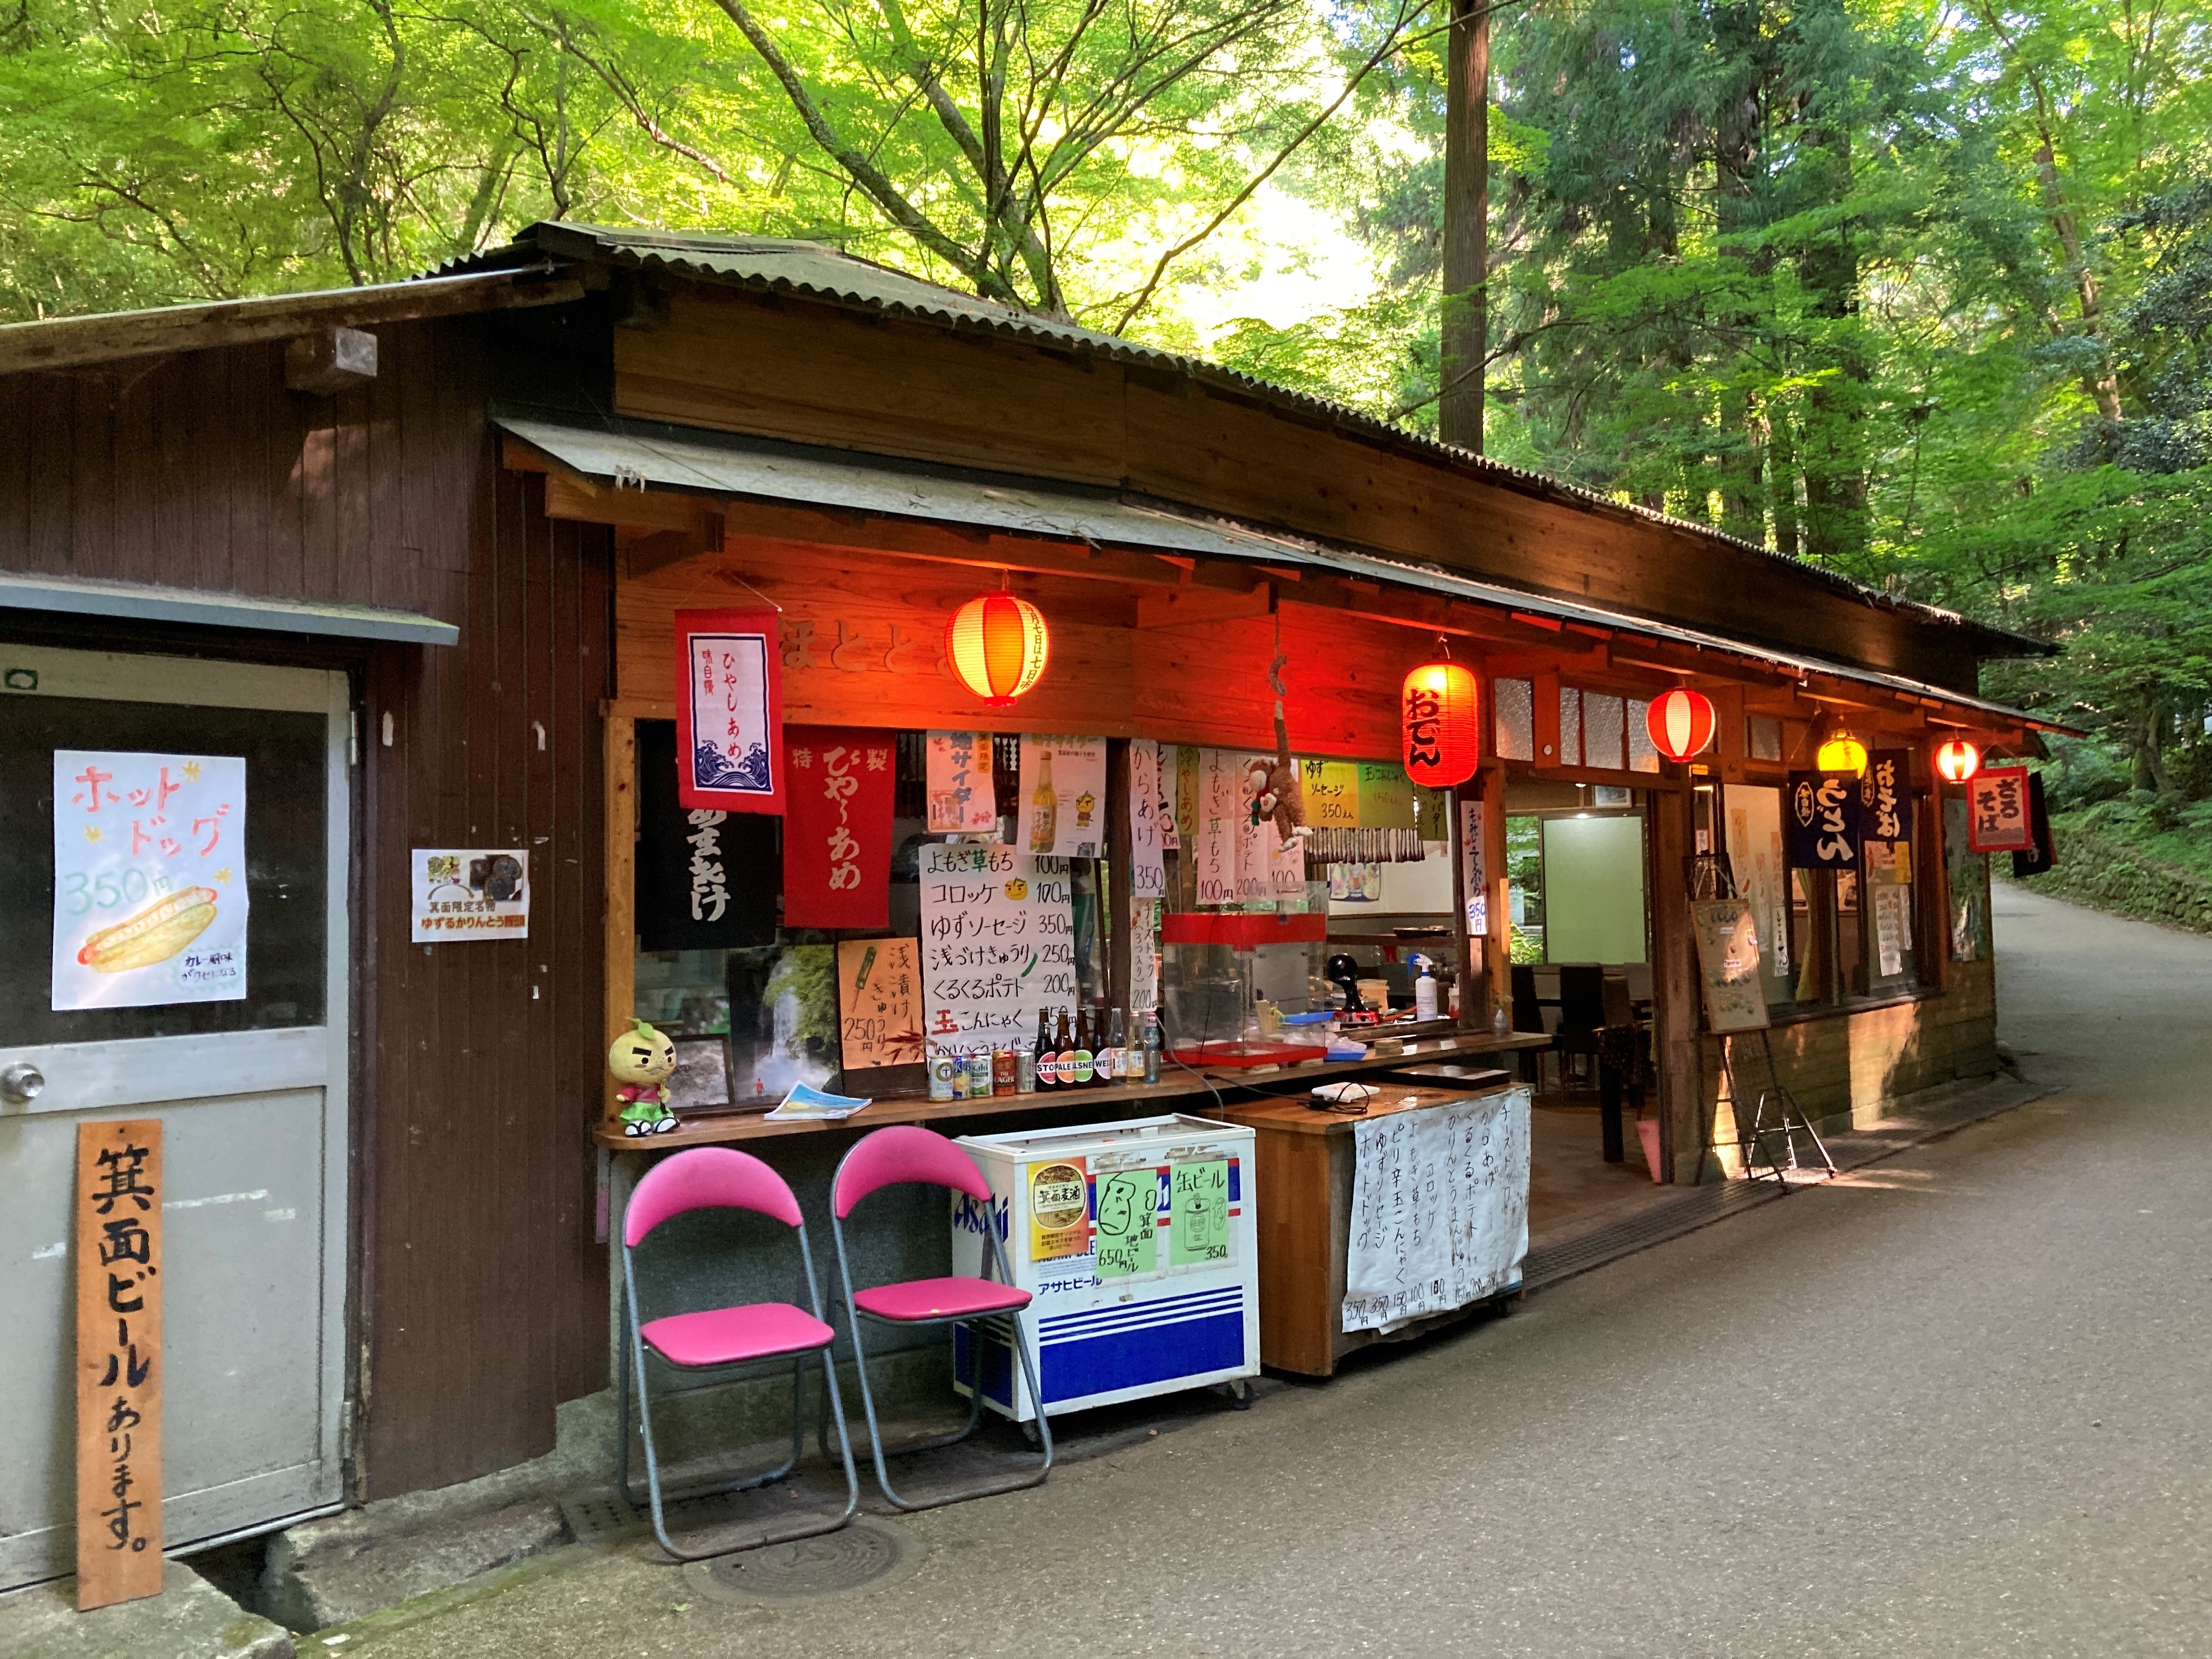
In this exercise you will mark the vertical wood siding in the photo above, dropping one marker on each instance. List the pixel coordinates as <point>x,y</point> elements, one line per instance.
<point>480,1300</point>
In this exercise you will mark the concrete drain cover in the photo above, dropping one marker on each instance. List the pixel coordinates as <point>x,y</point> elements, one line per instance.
<point>864,1554</point>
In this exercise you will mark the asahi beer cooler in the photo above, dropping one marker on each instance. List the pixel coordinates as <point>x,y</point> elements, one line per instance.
<point>1135,1241</point>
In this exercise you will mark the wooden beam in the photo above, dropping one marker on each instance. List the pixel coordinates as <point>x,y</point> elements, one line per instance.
<point>1181,607</point>
<point>74,342</point>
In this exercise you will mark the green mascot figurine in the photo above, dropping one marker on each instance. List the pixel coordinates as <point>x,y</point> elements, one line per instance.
<point>642,1060</point>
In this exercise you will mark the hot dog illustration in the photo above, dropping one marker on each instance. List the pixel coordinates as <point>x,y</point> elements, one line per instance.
<point>154,934</point>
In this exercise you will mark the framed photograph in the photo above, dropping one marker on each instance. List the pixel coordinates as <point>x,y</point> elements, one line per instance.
<point>702,1082</point>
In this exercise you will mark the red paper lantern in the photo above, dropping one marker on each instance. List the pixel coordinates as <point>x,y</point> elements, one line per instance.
<point>1680,723</point>
<point>1439,711</point>
<point>1957,760</point>
<point>997,645</point>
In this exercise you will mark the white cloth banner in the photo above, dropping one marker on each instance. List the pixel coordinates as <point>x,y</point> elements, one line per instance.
<point>997,945</point>
<point>1148,872</point>
<point>149,879</point>
<point>1439,1209</point>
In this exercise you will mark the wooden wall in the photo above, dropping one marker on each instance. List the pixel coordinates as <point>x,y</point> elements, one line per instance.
<point>480,1302</point>
<point>819,374</point>
<point>863,644</point>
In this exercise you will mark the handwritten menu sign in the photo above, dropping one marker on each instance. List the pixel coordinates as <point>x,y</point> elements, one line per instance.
<point>1148,873</point>
<point>1332,792</point>
<point>149,879</point>
<point>1167,774</point>
<point>1255,842</point>
<point>1386,796</point>
<point>119,1362</point>
<point>1997,803</point>
<point>1471,870</point>
<point>958,770</point>
<point>1728,964</point>
<point>879,990</point>
<point>1126,1234</point>
<point>1198,1212</point>
<point>1213,834</point>
<point>1885,794</point>
<point>1439,1209</point>
<point>998,944</point>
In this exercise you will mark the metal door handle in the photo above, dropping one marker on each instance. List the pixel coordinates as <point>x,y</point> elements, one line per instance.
<point>22,1081</point>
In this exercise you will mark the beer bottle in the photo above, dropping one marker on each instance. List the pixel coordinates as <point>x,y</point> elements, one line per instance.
<point>1047,1076</point>
<point>1044,807</point>
<point>1085,1062</point>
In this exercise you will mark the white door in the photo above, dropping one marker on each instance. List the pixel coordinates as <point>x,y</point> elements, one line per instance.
<point>250,1089</point>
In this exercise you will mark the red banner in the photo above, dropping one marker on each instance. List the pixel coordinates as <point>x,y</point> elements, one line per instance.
<point>729,711</point>
<point>837,827</point>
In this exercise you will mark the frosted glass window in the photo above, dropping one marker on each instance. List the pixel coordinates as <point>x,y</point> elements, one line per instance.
<point>1642,756</point>
<point>1570,726</point>
<point>1593,888</point>
<point>1602,732</point>
<point>1516,719</point>
<point>1763,738</point>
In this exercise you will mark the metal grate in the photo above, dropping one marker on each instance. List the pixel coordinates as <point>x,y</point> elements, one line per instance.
<point>853,1557</point>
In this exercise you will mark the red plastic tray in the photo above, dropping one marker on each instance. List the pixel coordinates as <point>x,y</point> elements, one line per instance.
<point>1236,1056</point>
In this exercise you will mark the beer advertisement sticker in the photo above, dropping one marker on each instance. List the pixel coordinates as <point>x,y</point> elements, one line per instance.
<point>149,879</point>
<point>469,893</point>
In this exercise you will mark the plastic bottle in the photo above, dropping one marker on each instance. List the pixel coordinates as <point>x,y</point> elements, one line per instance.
<point>1424,992</point>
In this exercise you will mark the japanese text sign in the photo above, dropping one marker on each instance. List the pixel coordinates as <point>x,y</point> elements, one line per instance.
<point>1063,797</point>
<point>701,881</point>
<point>997,945</point>
<point>1386,796</point>
<point>729,710</point>
<point>1211,838</point>
<point>117,1247</point>
<point>879,1002</point>
<point>1728,964</point>
<point>469,893</point>
<point>1886,792</point>
<point>1997,819</point>
<point>837,827</point>
<point>1820,821</point>
<point>960,796</point>
<point>149,879</point>
<point>1168,771</point>
<point>1332,792</point>
<point>1148,875</point>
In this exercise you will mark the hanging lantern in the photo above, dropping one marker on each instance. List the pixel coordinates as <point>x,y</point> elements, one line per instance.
<point>1957,760</point>
<point>997,645</point>
<point>1841,752</point>
<point>1439,712</point>
<point>1680,723</point>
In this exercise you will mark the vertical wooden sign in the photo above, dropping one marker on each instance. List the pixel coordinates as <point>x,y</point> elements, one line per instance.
<point>117,1246</point>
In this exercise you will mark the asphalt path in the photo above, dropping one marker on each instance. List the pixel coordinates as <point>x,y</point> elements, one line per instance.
<point>1954,1404</point>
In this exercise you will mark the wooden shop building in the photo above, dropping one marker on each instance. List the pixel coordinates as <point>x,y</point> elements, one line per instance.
<point>416,552</point>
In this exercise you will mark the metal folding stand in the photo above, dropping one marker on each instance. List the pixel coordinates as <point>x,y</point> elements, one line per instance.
<point>1752,1139</point>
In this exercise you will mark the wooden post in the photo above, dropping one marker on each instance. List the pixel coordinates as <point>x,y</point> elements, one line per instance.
<point>622,893</point>
<point>1676,1056</point>
<point>1120,965</point>
<point>117,1207</point>
<point>1497,939</point>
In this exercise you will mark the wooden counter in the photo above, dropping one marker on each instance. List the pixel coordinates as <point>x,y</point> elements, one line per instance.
<point>1121,1100</point>
<point>1304,1160</point>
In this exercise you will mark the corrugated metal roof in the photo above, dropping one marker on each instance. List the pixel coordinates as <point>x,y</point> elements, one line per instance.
<point>813,271</point>
<point>640,454</point>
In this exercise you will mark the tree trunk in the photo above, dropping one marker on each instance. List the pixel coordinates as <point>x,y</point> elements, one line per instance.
<point>1467,211</point>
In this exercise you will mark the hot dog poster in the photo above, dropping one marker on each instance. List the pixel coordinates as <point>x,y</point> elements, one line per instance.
<point>149,879</point>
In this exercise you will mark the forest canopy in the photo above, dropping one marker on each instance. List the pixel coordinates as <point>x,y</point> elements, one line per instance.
<point>1916,288</point>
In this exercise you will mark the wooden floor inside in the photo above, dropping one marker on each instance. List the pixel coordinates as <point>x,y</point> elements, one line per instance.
<point>1571,1186</point>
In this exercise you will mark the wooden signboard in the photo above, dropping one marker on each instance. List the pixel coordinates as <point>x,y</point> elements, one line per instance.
<point>117,1247</point>
<point>1728,963</point>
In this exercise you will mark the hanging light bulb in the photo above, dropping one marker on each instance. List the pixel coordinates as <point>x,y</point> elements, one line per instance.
<point>997,645</point>
<point>1957,760</point>
<point>1680,723</point>
<point>1439,715</point>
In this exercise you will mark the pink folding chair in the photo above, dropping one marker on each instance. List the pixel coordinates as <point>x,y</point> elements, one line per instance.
<point>709,1178</point>
<point>907,1154</point>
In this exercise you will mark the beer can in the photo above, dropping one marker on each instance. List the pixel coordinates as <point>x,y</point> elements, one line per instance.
<point>979,1074</point>
<point>941,1067</point>
<point>1002,1070</point>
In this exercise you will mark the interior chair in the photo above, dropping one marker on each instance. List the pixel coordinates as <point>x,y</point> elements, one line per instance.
<point>722,1178</point>
<point>1528,1016</point>
<point>1582,1012</point>
<point>908,1153</point>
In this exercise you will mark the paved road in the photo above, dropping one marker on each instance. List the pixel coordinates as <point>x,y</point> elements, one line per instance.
<point>1955,1405</point>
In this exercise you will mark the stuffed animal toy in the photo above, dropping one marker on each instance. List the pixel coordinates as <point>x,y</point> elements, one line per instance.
<point>1276,792</point>
<point>642,1060</point>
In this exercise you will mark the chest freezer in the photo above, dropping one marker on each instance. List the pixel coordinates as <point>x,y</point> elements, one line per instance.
<point>1136,1243</point>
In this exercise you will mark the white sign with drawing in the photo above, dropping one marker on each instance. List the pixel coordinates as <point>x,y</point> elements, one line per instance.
<point>149,879</point>
<point>1439,1209</point>
<point>997,945</point>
